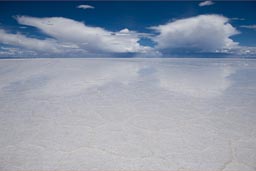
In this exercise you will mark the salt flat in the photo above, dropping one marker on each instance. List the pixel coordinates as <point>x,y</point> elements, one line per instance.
<point>128,114</point>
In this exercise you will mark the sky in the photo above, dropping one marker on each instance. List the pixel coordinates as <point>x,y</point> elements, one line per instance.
<point>122,29</point>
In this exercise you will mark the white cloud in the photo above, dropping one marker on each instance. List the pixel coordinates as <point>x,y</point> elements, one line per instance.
<point>236,18</point>
<point>85,7</point>
<point>26,42</point>
<point>70,37</point>
<point>206,33</point>
<point>206,3</point>
<point>23,46</point>
<point>249,26</point>
<point>92,39</point>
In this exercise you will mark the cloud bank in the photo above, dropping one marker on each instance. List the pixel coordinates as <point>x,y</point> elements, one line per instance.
<point>70,38</point>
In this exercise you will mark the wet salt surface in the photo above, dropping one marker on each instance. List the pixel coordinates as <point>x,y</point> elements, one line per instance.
<point>128,114</point>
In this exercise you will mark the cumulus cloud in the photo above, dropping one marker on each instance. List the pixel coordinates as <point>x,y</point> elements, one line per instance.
<point>85,6</point>
<point>70,37</point>
<point>206,3</point>
<point>203,33</point>
<point>249,26</point>
<point>93,39</point>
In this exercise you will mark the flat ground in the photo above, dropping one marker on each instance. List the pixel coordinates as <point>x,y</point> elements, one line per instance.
<point>128,114</point>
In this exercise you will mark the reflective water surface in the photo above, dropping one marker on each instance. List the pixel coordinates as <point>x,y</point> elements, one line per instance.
<point>128,114</point>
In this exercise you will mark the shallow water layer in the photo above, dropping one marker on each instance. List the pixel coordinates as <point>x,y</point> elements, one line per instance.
<point>128,114</point>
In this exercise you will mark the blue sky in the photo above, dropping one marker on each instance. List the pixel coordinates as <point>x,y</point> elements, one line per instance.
<point>128,29</point>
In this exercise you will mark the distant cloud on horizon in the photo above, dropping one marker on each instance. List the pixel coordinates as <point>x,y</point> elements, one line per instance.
<point>85,7</point>
<point>206,3</point>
